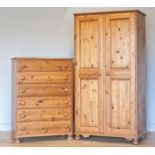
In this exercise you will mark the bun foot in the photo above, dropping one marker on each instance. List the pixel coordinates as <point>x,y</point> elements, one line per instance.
<point>17,140</point>
<point>70,137</point>
<point>77,137</point>
<point>128,140</point>
<point>85,136</point>
<point>135,141</point>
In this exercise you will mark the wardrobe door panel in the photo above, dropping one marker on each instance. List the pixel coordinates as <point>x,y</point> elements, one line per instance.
<point>89,103</point>
<point>120,75</point>
<point>120,43</point>
<point>119,104</point>
<point>89,44</point>
<point>88,74</point>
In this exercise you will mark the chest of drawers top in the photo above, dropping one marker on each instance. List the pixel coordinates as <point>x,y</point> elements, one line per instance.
<point>43,65</point>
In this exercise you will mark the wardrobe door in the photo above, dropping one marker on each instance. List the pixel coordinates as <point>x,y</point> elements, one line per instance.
<point>120,74</point>
<point>88,74</point>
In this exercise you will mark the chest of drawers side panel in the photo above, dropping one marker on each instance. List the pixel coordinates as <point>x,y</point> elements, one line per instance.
<point>13,105</point>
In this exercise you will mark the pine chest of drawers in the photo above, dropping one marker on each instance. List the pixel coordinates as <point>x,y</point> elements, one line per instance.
<point>42,97</point>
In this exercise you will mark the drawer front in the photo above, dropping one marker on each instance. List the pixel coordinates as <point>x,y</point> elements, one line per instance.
<point>43,128</point>
<point>43,90</point>
<point>44,77</point>
<point>43,65</point>
<point>44,102</point>
<point>29,115</point>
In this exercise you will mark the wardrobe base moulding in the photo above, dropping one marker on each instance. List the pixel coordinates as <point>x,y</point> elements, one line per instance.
<point>134,140</point>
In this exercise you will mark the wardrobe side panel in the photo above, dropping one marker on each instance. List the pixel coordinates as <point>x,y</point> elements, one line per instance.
<point>141,98</point>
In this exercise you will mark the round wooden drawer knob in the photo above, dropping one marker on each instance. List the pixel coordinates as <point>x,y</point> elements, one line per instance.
<point>23,115</point>
<point>23,78</point>
<point>23,91</point>
<point>66,66</point>
<point>66,90</point>
<point>24,66</point>
<point>22,103</point>
<point>66,78</point>
<point>23,128</point>
<point>66,126</point>
<point>66,102</point>
<point>66,114</point>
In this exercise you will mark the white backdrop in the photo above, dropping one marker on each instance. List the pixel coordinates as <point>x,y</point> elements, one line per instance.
<point>48,32</point>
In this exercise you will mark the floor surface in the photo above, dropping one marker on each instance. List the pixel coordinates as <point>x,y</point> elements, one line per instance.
<point>61,141</point>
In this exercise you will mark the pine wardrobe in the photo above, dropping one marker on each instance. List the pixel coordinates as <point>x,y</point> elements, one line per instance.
<point>110,74</point>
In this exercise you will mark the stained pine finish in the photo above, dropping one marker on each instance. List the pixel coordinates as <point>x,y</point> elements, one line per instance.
<point>57,141</point>
<point>46,128</point>
<point>119,59</point>
<point>43,90</point>
<point>120,114</point>
<point>43,65</point>
<point>88,64</point>
<point>89,43</point>
<point>119,32</point>
<point>43,97</point>
<point>141,73</point>
<point>88,115</point>
<point>44,77</point>
<point>44,102</point>
<point>109,74</point>
<point>25,115</point>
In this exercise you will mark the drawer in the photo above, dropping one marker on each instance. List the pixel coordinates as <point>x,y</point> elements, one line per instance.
<point>44,102</point>
<point>43,128</point>
<point>44,77</point>
<point>29,115</point>
<point>43,65</point>
<point>43,90</point>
